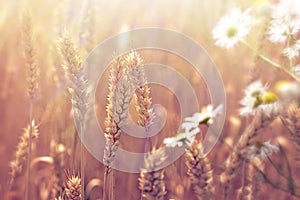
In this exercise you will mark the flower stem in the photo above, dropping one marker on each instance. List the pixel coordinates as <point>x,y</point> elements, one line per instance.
<point>269,61</point>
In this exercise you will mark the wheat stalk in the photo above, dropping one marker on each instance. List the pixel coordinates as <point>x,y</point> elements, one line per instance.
<point>134,66</point>
<point>252,187</point>
<point>118,101</point>
<point>32,75</point>
<point>252,183</point>
<point>292,122</point>
<point>79,89</point>
<point>151,181</point>
<point>112,131</point>
<point>248,138</point>
<point>121,101</point>
<point>17,165</point>
<point>199,171</point>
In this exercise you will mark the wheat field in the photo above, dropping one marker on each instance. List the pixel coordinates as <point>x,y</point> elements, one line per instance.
<point>43,45</point>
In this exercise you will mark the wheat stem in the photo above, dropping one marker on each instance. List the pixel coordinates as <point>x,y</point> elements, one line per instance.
<point>31,64</point>
<point>27,197</point>
<point>247,139</point>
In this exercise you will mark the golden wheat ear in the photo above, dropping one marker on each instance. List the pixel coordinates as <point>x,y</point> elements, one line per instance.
<point>30,54</point>
<point>18,164</point>
<point>118,101</point>
<point>73,187</point>
<point>199,171</point>
<point>151,181</point>
<point>134,65</point>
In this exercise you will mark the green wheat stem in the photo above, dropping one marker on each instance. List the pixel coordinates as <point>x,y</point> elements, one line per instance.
<point>269,61</point>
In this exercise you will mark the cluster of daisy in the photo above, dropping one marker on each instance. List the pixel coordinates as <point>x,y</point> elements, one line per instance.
<point>283,29</point>
<point>285,26</point>
<point>258,99</point>
<point>191,126</point>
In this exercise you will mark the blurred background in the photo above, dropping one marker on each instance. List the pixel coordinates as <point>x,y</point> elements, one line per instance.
<point>91,22</point>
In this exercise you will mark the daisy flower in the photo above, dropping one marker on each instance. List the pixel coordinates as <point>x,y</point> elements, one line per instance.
<point>250,101</point>
<point>261,150</point>
<point>181,138</point>
<point>279,32</point>
<point>258,99</point>
<point>233,28</point>
<point>206,116</point>
<point>292,51</point>
<point>285,20</point>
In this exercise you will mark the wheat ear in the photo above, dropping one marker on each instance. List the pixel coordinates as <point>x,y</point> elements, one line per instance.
<point>134,65</point>
<point>199,171</point>
<point>112,131</point>
<point>248,138</point>
<point>79,88</point>
<point>120,90</point>
<point>73,188</point>
<point>59,198</point>
<point>17,165</point>
<point>151,181</point>
<point>30,55</point>
<point>32,75</point>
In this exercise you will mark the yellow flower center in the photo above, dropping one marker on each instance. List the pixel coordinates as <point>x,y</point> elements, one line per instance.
<point>205,120</point>
<point>269,97</point>
<point>231,32</point>
<point>265,98</point>
<point>259,144</point>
